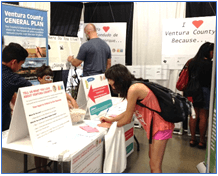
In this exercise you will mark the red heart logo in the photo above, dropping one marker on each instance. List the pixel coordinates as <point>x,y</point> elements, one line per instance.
<point>197,24</point>
<point>106,28</point>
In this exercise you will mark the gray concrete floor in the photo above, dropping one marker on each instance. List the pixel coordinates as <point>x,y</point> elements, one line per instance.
<point>179,157</point>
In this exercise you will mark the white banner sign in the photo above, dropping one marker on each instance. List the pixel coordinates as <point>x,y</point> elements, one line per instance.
<point>182,39</point>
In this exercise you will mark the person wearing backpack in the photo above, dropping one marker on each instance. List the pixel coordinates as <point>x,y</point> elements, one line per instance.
<point>121,81</point>
<point>198,91</point>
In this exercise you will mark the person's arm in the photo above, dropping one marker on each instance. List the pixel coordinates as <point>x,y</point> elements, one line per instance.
<point>136,91</point>
<point>108,63</point>
<point>71,102</point>
<point>128,114</point>
<point>14,98</point>
<point>74,61</point>
<point>110,120</point>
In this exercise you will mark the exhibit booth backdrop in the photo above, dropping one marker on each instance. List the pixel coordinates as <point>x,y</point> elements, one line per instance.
<point>146,40</point>
<point>142,30</point>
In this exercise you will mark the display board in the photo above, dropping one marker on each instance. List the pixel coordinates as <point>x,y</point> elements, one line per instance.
<point>41,112</point>
<point>89,159</point>
<point>59,49</point>
<point>114,34</point>
<point>94,95</point>
<point>182,38</point>
<point>27,27</point>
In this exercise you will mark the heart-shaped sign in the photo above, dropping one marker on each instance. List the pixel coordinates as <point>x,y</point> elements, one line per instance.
<point>106,28</point>
<point>197,24</point>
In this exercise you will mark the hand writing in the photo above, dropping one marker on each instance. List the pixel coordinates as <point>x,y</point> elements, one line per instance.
<point>105,125</point>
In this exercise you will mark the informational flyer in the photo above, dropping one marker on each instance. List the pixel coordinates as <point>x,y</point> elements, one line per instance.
<point>157,72</point>
<point>182,38</point>
<point>27,27</point>
<point>42,113</point>
<point>118,60</point>
<point>153,72</point>
<point>60,48</point>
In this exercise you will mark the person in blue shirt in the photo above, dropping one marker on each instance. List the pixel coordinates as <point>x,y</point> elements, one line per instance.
<point>13,56</point>
<point>95,53</point>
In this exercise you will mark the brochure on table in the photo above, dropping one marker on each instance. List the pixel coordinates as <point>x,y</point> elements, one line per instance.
<point>94,96</point>
<point>41,112</point>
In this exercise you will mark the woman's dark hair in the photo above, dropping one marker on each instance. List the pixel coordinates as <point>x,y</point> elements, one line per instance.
<point>14,51</point>
<point>44,70</point>
<point>204,51</point>
<point>197,62</point>
<point>122,78</point>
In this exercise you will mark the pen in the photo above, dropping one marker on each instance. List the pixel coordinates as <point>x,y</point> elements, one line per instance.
<point>106,112</point>
<point>105,116</point>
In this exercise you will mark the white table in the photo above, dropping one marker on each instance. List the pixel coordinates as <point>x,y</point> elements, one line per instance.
<point>82,141</point>
<point>84,145</point>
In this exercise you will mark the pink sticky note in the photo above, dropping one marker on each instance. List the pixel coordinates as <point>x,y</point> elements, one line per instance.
<point>112,115</point>
<point>89,129</point>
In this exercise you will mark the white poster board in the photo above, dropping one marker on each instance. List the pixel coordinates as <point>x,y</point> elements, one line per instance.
<point>94,94</point>
<point>60,48</point>
<point>114,34</point>
<point>182,39</point>
<point>42,113</point>
<point>89,159</point>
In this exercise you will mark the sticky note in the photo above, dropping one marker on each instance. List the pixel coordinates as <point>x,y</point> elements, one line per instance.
<point>89,129</point>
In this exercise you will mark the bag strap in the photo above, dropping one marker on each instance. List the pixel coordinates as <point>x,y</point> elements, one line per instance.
<point>151,126</point>
<point>185,66</point>
<point>142,105</point>
<point>151,129</point>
